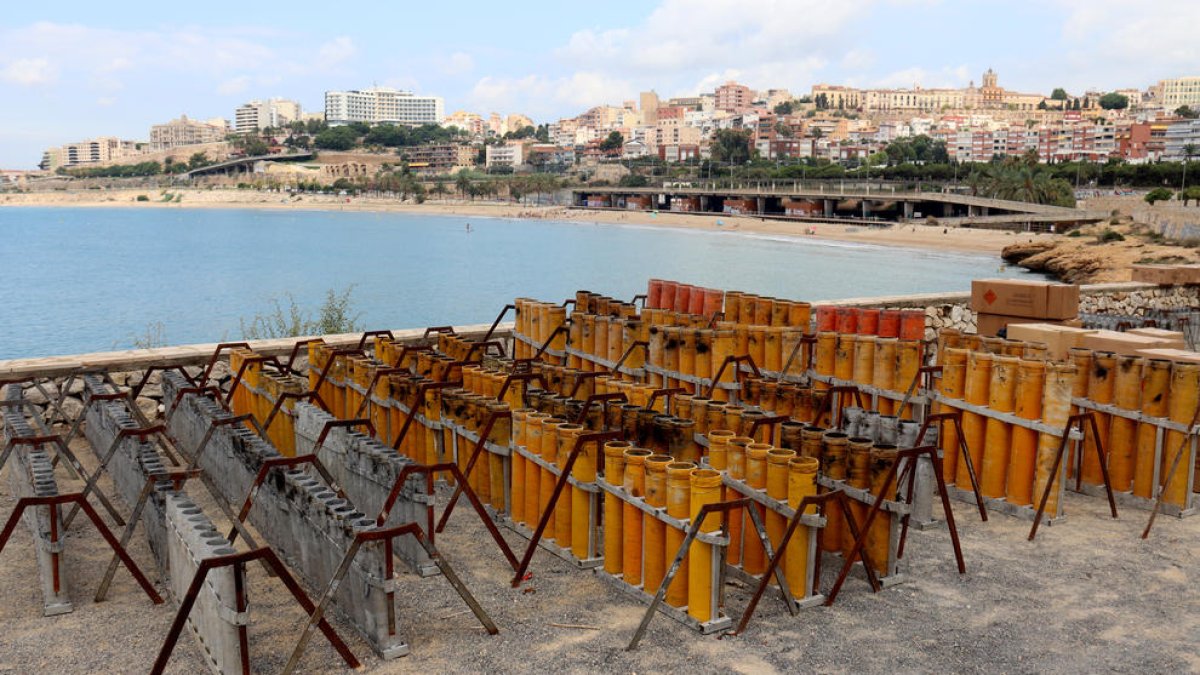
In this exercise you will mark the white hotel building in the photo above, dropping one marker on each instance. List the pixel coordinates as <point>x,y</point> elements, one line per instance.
<point>382,105</point>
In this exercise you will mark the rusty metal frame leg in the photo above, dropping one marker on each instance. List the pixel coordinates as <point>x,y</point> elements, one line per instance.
<point>126,536</point>
<point>965,452</point>
<point>480,447</point>
<point>1054,478</point>
<point>1166,480</point>
<point>1112,502</point>
<point>271,561</point>
<point>765,540</point>
<point>92,480</point>
<point>666,581</point>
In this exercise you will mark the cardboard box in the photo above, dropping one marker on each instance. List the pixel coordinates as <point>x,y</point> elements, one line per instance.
<point>1174,338</point>
<point>1171,355</point>
<point>991,324</point>
<point>1167,275</point>
<point>1059,339</point>
<point>1029,299</point>
<point>1120,343</point>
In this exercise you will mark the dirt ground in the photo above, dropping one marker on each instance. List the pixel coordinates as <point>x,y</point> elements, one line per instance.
<point>1088,596</point>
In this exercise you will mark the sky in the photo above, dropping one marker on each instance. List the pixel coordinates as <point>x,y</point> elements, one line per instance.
<point>71,70</point>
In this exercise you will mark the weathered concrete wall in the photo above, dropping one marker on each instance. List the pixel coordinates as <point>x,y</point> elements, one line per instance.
<point>31,475</point>
<point>302,520</point>
<point>366,470</point>
<point>179,533</point>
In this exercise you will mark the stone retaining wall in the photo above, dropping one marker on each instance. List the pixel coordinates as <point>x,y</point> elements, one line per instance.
<point>303,520</point>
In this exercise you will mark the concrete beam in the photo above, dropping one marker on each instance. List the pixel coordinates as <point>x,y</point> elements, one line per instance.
<point>302,520</point>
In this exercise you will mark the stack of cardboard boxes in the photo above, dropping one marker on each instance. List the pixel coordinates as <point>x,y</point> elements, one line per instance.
<point>1002,302</point>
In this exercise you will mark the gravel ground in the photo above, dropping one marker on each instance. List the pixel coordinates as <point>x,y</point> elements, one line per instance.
<point>1088,596</point>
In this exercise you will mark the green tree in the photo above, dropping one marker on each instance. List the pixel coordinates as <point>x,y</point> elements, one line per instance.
<point>615,141</point>
<point>1187,112</point>
<point>732,146</point>
<point>543,133</point>
<point>1158,195</point>
<point>1114,101</point>
<point>1189,151</point>
<point>198,160</point>
<point>784,108</point>
<point>1059,94</point>
<point>336,138</point>
<point>1191,194</point>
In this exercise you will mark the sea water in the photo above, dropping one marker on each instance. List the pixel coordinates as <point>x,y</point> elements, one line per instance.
<point>92,279</point>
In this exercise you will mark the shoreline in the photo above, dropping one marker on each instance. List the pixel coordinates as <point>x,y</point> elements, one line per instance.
<point>957,240</point>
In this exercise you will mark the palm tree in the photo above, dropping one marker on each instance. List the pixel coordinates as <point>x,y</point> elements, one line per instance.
<point>463,183</point>
<point>1189,151</point>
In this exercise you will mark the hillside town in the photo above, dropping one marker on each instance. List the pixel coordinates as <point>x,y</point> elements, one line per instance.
<point>360,131</point>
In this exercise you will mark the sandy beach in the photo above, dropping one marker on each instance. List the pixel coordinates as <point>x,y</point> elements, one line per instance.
<point>913,236</point>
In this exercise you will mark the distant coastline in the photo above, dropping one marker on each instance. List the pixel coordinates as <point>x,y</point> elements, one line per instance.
<point>987,242</point>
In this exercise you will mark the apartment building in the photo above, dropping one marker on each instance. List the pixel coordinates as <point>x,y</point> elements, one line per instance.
<point>184,131</point>
<point>270,114</point>
<point>382,105</point>
<point>467,121</point>
<point>438,158</point>
<point>1182,138</point>
<point>510,155</point>
<point>1180,91</point>
<point>733,97</point>
<point>90,151</point>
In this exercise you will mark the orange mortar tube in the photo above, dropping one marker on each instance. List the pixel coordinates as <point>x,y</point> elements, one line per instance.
<point>587,343</point>
<point>616,340</point>
<point>687,354</point>
<point>563,518</point>
<point>533,444</point>
<point>634,482</point>
<point>756,345</point>
<point>802,477</point>
<point>654,538</point>
<point>614,475</point>
<point>1156,388</point>
<point>858,474</point>
<point>979,379</point>
<point>1031,381</point>
<point>777,488</point>
<point>703,365</point>
<point>1056,408</point>
<point>1185,393</point>
<point>705,489</point>
<point>584,471</point>
<point>885,372</point>
<point>908,365</point>
<point>882,459</point>
<point>993,467</point>
<point>1122,433</point>
<point>825,359</point>
<point>546,481</point>
<point>773,349</point>
<point>753,555</point>
<point>1100,389</point>
<point>737,469</point>
<point>520,438</point>
<point>843,357</point>
<point>679,488</point>
<point>600,337</point>
<point>951,385</point>
<point>723,344</point>
<point>501,435</point>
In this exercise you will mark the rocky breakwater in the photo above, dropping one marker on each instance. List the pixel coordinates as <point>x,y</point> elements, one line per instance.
<point>1096,254</point>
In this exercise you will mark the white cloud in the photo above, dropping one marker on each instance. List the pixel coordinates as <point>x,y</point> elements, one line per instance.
<point>1112,43</point>
<point>105,101</point>
<point>235,85</point>
<point>458,63</point>
<point>946,77</point>
<point>29,72</point>
<point>336,51</point>
<point>539,95</point>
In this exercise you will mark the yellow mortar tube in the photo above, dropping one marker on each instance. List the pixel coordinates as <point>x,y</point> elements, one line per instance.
<point>501,435</point>
<point>718,448</point>
<point>993,467</point>
<point>843,357</point>
<point>614,475</point>
<point>654,537</point>
<point>724,344</point>
<point>575,338</point>
<point>656,354</point>
<point>952,384</point>
<point>563,519</point>
<point>791,338</point>
<point>885,372</point>
<point>687,355</point>
<point>546,480</point>
<point>908,365</point>
<point>834,446</point>
<point>703,365</point>
<point>756,343</point>
<point>975,391</point>
<point>634,482</point>
<point>777,488</point>
<point>679,487</point>
<point>1185,392</point>
<point>671,349</point>
<point>825,360</point>
<point>600,339</point>
<point>753,556</point>
<point>1082,358</point>
<point>1031,381</point>
<point>1056,408</point>
<point>773,355</point>
<point>1156,388</point>
<point>882,459</point>
<point>584,471</point>
<point>858,474</point>
<point>1100,389</point>
<point>616,340</point>
<point>705,489</point>
<point>802,477</point>
<point>520,439</point>
<point>737,469</point>
<point>864,359</point>
<point>587,342</point>
<point>1122,434</point>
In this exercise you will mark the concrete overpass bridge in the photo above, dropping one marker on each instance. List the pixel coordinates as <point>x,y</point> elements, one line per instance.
<point>242,165</point>
<point>826,203</point>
